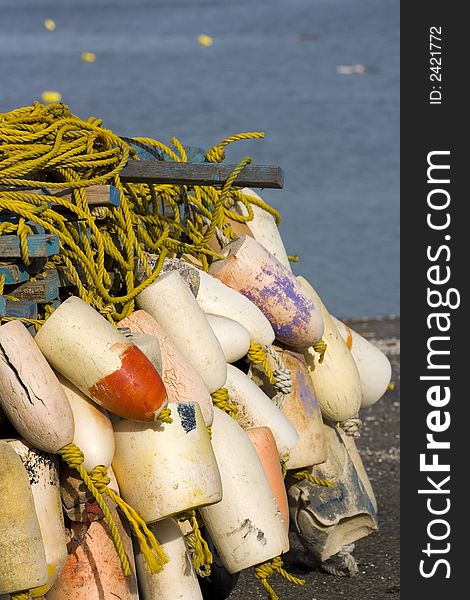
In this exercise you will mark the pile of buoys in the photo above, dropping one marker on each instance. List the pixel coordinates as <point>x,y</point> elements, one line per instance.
<point>157,454</point>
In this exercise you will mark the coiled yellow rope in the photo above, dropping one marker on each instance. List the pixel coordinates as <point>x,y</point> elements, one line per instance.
<point>221,399</point>
<point>35,593</point>
<point>309,477</point>
<point>258,356</point>
<point>269,568</point>
<point>201,555</point>
<point>154,554</point>
<point>47,147</point>
<point>165,415</point>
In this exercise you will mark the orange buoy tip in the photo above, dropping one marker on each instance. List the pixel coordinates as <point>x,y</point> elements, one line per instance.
<point>135,391</point>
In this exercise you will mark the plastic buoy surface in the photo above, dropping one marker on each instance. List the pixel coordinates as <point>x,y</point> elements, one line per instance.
<point>173,306</point>
<point>374,367</point>
<point>164,469</point>
<point>246,526</point>
<point>92,354</point>
<point>23,561</point>
<point>336,380</point>
<point>264,228</point>
<point>94,433</point>
<point>255,409</point>
<point>177,581</point>
<point>43,473</point>
<point>254,272</point>
<point>30,394</point>
<point>182,382</point>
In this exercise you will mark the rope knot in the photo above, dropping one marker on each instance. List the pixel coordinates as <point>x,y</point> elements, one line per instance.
<point>215,154</point>
<point>100,478</point>
<point>221,399</point>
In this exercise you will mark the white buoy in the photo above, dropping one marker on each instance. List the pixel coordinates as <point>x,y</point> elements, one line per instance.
<point>91,353</point>
<point>214,297</point>
<point>94,433</point>
<point>374,367</point>
<point>246,526</point>
<point>255,409</point>
<point>264,228</point>
<point>253,271</point>
<point>182,382</point>
<point>177,581</point>
<point>336,380</point>
<point>233,338</point>
<point>43,472</point>
<point>23,562</point>
<point>165,469</point>
<point>170,302</point>
<point>30,393</point>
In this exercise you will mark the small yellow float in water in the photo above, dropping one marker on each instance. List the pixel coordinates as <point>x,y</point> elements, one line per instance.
<point>88,57</point>
<point>49,24</point>
<point>50,96</point>
<point>205,40</point>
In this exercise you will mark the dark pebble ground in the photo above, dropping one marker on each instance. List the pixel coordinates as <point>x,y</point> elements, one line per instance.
<point>378,555</point>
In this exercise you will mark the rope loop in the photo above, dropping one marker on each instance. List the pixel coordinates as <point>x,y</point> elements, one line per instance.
<point>268,569</point>
<point>221,399</point>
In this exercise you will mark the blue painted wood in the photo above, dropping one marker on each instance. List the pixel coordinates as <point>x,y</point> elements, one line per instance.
<point>38,245</point>
<point>23,308</point>
<point>14,273</point>
<point>2,305</point>
<point>41,291</point>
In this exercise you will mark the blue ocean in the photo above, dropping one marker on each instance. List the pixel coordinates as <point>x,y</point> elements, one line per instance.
<point>319,77</point>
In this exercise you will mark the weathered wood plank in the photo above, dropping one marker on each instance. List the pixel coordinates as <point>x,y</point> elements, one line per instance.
<point>41,291</point>
<point>38,245</point>
<point>179,173</point>
<point>26,309</point>
<point>14,273</point>
<point>97,195</point>
<point>3,308</point>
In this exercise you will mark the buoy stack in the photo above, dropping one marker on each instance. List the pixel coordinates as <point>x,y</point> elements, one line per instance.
<point>158,451</point>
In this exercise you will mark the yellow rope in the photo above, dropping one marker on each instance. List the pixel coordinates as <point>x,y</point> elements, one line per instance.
<point>258,356</point>
<point>309,477</point>
<point>221,399</point>
<point>73,456</point>
<point>165,415</point>
<point>35,593</point>
<point>201,556</point>
<point>46,147</point>
<point>390,387</point>
<point>154,554</point>
<point>284,461</point>
<point>269,568</point>
<point>217,152</point>
<point>320,348</point>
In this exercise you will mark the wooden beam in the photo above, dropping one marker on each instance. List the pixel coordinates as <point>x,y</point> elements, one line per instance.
<point>38,245</point>
<point>180,173</point>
